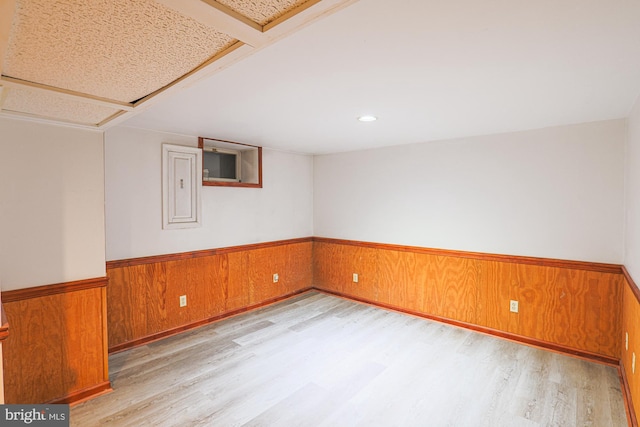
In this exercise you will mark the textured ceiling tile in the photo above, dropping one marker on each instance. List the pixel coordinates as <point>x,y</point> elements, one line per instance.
<point>52,106</point>
<point>262,11</point>
<point>116,49</point>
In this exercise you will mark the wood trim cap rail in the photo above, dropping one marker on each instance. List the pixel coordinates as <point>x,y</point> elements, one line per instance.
<point>545,262</point>
<point>632,284</point>
<point>202,253</point>
<point>58,288</point>
<point>4,324</point>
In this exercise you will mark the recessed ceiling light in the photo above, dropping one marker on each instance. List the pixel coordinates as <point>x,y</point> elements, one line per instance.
<point>367,118</point>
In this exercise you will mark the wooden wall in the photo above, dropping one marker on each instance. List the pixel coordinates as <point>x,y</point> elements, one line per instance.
<point>631,325</point>
<point>57,348</point>
<point>564,305</point>
<point>143,294</point>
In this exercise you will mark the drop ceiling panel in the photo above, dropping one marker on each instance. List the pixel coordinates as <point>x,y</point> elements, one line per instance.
<point>116,49</point>
<point>262,11</point>
<point>56,107</point>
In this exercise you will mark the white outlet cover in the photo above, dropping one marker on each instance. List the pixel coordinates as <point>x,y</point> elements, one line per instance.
<point>183,300</point>
<point>276,278</point>
<point>513,306</point>
<point>626,340</point>
<point>355,277</point>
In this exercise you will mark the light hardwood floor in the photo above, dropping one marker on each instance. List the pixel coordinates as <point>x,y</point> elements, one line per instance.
<point>319,360</point>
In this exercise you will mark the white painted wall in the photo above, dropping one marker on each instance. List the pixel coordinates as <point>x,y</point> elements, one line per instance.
<point>632,192</point>
<point>282,209</point>
<point>555,192</point>
<point>51,204</point>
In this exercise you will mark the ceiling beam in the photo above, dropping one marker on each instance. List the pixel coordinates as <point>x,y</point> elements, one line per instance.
<point>290,14</point>
<point>301,16</point>
<point>77,96</point>
<point>7,9</point>
<point>220,17</point>
<point>42,119</point>
<point>228,57</point>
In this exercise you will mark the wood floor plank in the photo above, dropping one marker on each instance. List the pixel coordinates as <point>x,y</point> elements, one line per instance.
<point>319,360</point>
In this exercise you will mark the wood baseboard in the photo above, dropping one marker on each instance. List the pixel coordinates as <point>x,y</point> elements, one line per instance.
<point>80,396</point>
<point>174,331</point>
<point>626,395</point>
<point>593,357</point>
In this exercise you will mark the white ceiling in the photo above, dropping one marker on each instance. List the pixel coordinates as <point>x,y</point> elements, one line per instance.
<point>429,69</point>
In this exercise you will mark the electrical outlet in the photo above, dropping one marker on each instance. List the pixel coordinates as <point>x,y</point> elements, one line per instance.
<point>633,363</point>
<point>355,277</point>
<point>513,306</point>
<point>626,340</point>
<point>276,278</point>
<point>183,300</point>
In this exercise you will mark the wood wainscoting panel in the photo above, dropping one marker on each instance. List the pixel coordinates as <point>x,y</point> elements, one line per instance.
<point>363,262</point>
<point>631,325</point>
<point>327,274</point>
<point>144,299</point>
<point>126,302</point>
<point>437,285</point>
<point>603,319</point>
<point>261,265</point>
<point>193,278</point>
<point>155,289</point>
<point>573,308</point>
<point>237,295</point>
<point>299,272</point>
<point>544,303</point>
<point>37,328</point>
<point>216,279</point>
<point>402,279</point>
<point>570,304</point>
<point>292,263</point>
<point>335,265</point>
<point>56,349</point>
<point>498,286</point>
<point>452,288</point>
<point>82,342</point>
